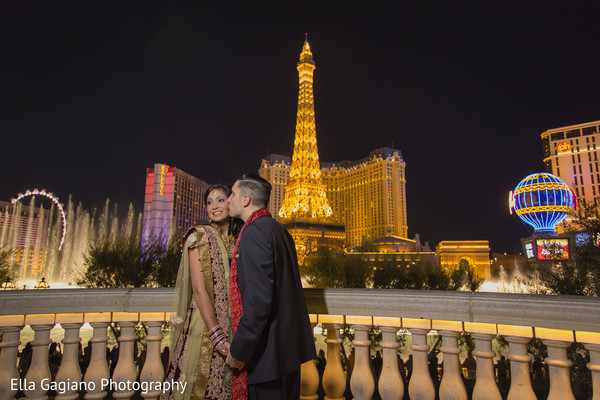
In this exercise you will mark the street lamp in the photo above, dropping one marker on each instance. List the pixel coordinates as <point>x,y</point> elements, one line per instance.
<point>42,284</point>
<point>8,284</point>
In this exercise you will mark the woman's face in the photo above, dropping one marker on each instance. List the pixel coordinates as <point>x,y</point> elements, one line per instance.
<point>216,206</point>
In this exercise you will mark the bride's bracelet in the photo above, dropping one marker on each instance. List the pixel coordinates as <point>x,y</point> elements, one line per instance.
<point>219,341</point>
<point>217,336</point>
<point>215,329</point>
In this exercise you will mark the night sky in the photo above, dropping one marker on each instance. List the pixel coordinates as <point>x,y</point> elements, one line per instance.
<point>94,92</point>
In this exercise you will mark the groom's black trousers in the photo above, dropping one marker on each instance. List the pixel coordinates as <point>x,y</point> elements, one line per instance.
<point>285,388</point>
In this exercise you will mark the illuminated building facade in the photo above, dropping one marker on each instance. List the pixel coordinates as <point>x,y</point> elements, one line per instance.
<point>276,169</point>
<point>305,209</point>
<point>173,202</point>
<point>368,195</point>
<point>24,229</point>
<point>571,153</point>
<point>476,253</point>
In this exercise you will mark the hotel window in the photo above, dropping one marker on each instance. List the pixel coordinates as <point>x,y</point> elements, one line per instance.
<point>573,133</point>
<point>557,136</point>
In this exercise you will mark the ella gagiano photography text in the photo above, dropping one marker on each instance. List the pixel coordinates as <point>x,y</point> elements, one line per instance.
<point>105,384</point>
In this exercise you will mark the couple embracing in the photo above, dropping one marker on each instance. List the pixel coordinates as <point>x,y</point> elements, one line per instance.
<point>242,328</point>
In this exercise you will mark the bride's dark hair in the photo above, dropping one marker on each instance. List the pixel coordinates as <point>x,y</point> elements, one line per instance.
<point>235,224</point>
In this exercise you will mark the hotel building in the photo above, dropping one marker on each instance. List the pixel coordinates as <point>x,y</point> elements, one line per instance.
<point>571,153</point>
<point>173,202</point>
<point>368,195</point>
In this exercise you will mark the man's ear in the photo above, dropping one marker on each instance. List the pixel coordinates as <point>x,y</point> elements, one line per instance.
<point>246,201</point>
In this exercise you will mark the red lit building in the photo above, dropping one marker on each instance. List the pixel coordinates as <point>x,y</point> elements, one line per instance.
<point>173,202</point>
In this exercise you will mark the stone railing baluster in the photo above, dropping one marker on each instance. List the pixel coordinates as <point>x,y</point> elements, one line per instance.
<point>125,372</point>
<point>520,378</point>
<point>558,366</point>
<point>97,373</point>
<point>362,383</point>
<point>420,386</point>
<point>334,380</point>
<point>594,366</point>
<point>39,370</point>
<point>309,376</point>
<point>452,386</point>
<point>9,374</point>
<point>391,386</point>
<point>485,384</point>
<point>153,371</point>
<point>69,371</point>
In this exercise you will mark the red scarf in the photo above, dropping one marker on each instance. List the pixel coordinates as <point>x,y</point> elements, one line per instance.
<point>239,383</point>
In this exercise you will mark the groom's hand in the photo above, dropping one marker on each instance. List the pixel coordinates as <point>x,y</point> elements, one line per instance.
<point>233,363</point>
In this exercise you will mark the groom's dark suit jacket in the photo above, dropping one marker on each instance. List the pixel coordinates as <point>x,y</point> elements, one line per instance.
<point>274,335</point>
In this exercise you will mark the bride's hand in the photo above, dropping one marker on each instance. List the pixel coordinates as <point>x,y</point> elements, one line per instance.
<point>223,348</point>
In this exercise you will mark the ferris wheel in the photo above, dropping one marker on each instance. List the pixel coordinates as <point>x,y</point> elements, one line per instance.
<point>54,199</point>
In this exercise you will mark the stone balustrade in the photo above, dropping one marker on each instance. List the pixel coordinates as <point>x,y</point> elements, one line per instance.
<point>556,320</point>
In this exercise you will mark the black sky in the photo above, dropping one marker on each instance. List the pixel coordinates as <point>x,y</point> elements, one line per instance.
<point>92,93</point>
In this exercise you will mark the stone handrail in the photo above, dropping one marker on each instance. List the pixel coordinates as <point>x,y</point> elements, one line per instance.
<point>575,313</point>
<point>556,320</point>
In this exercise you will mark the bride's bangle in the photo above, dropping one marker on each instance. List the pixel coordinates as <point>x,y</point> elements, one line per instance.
<point>215,328</point>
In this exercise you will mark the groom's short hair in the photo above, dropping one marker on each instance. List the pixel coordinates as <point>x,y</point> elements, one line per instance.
<point>255,187</point>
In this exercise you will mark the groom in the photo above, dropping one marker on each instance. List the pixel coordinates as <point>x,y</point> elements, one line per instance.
<point>274,336</point>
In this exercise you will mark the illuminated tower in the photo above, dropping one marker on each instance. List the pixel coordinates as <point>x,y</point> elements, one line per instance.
<point>305,211</point>
<point>305,197</point>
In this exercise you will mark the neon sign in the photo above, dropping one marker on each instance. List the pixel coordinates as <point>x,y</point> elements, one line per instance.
<point>543,201</point>
<point>564,147</point>
<point>162,179</point>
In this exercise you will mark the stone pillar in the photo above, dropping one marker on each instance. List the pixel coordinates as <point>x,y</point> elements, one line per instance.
<point>125,372</point>
<point>391,386</point>
<point>153,371</point>
<point>420,386</point>
<point>362,383</point>
<point>309,378</point>
<point>594,366</point>
<point>334,380</point>
<point>39,369</point>
<point>97,372</point>
<point>520,379</point>
<point>452,386</point>
<point>558,365</point>
<point>69,370</point>
<point>8,361</point>
<point>485,385</point>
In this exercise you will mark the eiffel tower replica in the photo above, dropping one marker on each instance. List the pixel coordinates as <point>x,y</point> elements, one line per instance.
<point>305,211</point>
